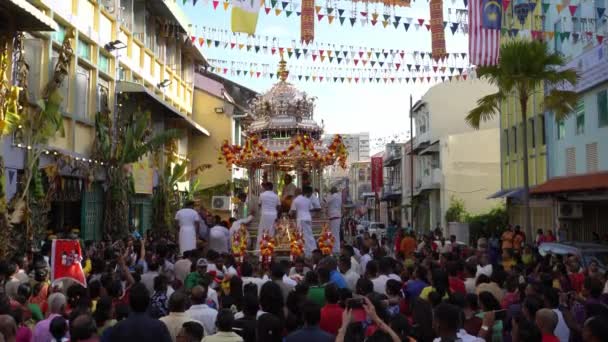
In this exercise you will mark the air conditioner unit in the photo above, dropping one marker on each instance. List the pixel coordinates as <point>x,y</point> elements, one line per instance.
<point>220,203</point>
<point>569,210</point>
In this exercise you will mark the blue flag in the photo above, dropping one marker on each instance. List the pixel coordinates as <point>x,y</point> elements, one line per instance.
<point>492,14</point>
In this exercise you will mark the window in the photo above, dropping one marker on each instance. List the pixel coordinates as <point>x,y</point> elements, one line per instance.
<point>561,129</point>
<point>83,87</point>
<point>65,85</point>
<point>580,117</point>
<point>84,50</point>
<point>542,129</point>
<point>59,34</point>
<point>506,140</point>
<point>602,108</point>
<point>570,161</point>
<point>103,95</point>
<point>33,58</point>
<point>591,156</point>
<point>531,136</point>
<point>514,130</point>
<point>361,175</point>
<point>104,63</point>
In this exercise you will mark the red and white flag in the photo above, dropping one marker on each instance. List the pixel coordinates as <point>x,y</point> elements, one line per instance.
<point>485,18</point>
<point>66,258</point>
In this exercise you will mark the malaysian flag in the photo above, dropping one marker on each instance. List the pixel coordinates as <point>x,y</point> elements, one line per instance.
<point>485,18</point>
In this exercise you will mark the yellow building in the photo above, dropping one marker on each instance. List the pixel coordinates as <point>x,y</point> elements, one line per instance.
<point>135,47</point>
<point>511,134</point>
<point>223,106</point>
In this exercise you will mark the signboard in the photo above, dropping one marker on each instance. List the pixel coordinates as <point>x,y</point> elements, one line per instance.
<point>143,176</point>
<point>377,174</point>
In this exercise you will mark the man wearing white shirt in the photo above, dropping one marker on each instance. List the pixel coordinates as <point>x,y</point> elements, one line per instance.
<point>302,205</point>
<point>334,213</point>
<point>219,238</point>
<point>201,312</point>
<point>351,277</point>
<point>269,203</point>
<point>188,220</point>
<point>236,225</point>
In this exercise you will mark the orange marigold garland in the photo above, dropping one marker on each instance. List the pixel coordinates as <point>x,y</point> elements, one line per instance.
<point>267,244</point>
<point>254,148</point>
<point>239,243</point>
<point>326,241</point>
<point>296,244</point>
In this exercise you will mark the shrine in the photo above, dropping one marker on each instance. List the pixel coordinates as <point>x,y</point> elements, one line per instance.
<point>284,139</point>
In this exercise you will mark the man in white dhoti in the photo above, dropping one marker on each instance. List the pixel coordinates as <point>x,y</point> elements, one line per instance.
<point>188,220</point>
<point>302,205</point>
<point>334,213</point>
<point>269,204</point>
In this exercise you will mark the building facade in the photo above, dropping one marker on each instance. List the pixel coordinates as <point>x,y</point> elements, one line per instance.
<point>393,182</point>
<point>222,105</point>
<point>358,148</point>
<point>133,50</point>
<point>577,185</point>
<point>452,160</point>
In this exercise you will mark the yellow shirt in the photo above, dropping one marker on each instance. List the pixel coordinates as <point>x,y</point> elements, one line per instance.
<point>427,291</point>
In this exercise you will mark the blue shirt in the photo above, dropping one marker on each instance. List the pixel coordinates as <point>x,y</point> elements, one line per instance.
<point>308,334</point>
<point>413,288</point>
<point>337,278</point>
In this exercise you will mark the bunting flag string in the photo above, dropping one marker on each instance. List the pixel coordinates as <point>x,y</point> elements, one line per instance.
<point>408,70</point>
<point>389,18</point>
<point>320,77</point>
<point>317,51</point>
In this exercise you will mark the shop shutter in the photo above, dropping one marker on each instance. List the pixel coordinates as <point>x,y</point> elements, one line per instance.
<point>92,213</point>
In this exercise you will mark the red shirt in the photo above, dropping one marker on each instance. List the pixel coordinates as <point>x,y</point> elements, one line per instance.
<point>331,318</point>
<point>549,338</point>
<point>576,281</point>
<point>457,285</point>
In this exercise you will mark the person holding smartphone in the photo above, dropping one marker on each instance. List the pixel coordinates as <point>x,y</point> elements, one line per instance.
<point>352,315</point>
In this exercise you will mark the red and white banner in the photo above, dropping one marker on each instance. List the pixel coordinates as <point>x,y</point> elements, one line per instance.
<point>66,258</point>
<point>377,175</point>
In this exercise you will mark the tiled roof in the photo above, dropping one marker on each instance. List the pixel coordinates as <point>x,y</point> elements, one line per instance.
<point>586,182</point>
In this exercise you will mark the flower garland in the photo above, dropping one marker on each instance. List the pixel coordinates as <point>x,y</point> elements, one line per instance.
<point>296,244</point>
<point>239,243</point>
<point>267,244</point>
<point>326,241</point>
<point>255,149</point>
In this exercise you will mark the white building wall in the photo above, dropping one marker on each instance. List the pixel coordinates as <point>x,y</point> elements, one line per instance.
<point>470,165</point>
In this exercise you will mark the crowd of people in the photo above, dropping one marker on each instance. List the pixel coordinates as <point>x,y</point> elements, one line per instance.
<point>423,288</point>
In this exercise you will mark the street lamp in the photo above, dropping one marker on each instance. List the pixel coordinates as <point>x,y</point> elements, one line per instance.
<point>115,45</point>
<point>164,83</point>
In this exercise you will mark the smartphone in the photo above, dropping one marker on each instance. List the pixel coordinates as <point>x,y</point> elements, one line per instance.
<point>354,303</point>
<point>356,307</point>
<point>500,315</point>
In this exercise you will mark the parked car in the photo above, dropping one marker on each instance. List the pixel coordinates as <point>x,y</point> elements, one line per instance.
<point>377,228</point>
<point>586,251</point>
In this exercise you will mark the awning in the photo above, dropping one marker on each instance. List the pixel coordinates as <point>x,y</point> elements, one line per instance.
<point>434,148</point>
<point>508,193</point>
<point>131,87</point>
<point>499,194</point>
<point>20,15</point>
<point>579,183</point>
<point>391,197</point>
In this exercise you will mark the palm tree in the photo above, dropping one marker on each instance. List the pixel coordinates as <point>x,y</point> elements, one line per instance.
<point>525,68</point>
<point>134,142</point>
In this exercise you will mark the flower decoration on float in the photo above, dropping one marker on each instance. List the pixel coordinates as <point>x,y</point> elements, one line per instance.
<point>239,243</point>
<point>296,244</point>
<point>267,245</point>
<point>301,145</point>
<point>326,241</point>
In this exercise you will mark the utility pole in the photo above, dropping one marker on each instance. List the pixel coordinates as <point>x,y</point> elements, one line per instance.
<point>411,162</point>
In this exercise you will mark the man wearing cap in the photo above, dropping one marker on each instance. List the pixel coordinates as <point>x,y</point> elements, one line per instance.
<point>334,212</point>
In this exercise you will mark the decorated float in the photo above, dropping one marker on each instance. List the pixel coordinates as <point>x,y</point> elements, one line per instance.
<point>283,139</point>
